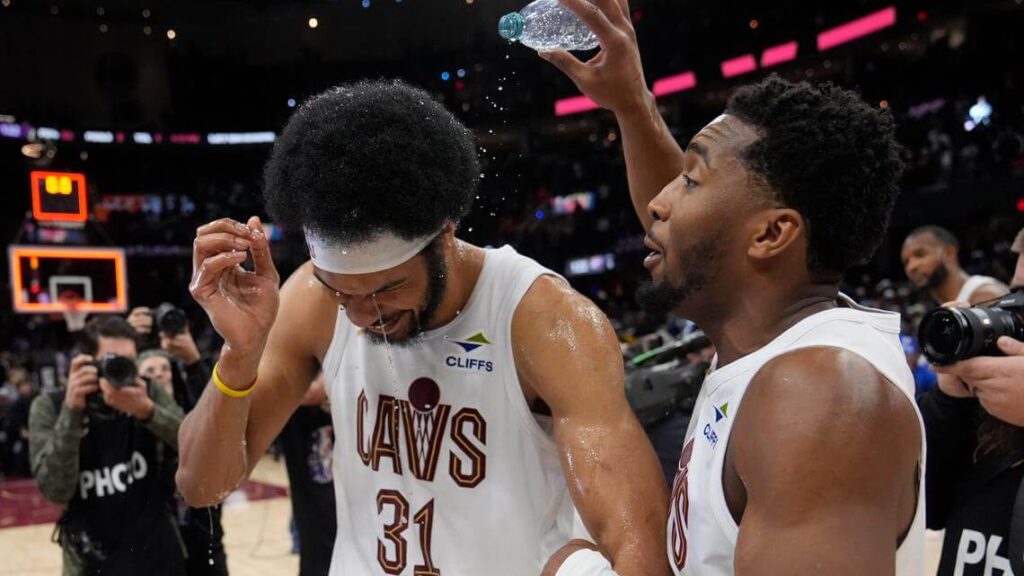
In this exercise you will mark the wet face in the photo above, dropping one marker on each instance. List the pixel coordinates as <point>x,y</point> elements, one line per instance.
<point>158,369</point>
<point>925,260</point>
<point>395,305</point>
<point>696,231</point>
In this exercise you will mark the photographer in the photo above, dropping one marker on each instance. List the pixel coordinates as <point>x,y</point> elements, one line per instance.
<point>96,449</point>
<point>973,422</point>
<point>173,336</point>
<point>179,368</point>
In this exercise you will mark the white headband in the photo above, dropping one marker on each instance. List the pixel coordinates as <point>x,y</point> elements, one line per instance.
<point>382,252</point>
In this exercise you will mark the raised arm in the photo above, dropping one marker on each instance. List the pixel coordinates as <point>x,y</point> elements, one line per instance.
<point>826,451</point>
<point>567,352</point>
<point>614,79</point>
<point>222,439</point>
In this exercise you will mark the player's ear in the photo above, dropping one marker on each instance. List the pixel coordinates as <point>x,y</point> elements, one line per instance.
<point>949,253</point>
<point>774,232</point>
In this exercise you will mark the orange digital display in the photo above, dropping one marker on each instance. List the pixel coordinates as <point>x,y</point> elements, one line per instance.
<point>45,278</point>
<point>59,197</point>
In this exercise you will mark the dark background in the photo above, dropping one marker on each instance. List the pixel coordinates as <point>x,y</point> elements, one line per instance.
<point>233,66</point>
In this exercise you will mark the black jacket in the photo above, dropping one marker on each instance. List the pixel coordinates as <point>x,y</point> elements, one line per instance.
<point>975,465</point>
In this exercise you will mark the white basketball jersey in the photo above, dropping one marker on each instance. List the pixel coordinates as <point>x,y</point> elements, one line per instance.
<point>440,467</point>
<point>972,284</point>
<point>701,530</point>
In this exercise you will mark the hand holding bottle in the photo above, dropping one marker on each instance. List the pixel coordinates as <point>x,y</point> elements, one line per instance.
<point>614,78</point>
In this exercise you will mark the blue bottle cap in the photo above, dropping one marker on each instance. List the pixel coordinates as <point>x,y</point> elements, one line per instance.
<point>510,27</point>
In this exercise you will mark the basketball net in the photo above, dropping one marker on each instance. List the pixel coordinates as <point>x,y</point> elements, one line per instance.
<point>73,317</point>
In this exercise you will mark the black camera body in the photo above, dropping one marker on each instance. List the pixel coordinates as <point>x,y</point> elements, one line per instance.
<point>120,371</point>
<point>949,335</point>
<point>170,319</point>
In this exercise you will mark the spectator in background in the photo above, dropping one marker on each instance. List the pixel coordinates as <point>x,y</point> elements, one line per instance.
<point>931,260</point>
<point>97,450</point>
<point>15,427</point>
<point>307,442</point>
<point>924,377</point>
<point>182,350</point>
<point>158,366</point>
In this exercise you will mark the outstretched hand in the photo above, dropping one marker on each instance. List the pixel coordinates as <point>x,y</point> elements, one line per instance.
<point>614,78</point>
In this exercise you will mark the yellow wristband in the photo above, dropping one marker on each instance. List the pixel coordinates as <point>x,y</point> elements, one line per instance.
<point>228,391</point>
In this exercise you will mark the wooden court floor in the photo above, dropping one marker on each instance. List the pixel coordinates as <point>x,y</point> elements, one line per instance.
<point>256,536</point>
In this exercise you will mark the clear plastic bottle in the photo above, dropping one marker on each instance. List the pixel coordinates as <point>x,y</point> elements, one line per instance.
<point>547,25</point>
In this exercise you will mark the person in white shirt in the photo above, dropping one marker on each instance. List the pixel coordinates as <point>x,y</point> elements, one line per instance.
<point>930,257</point>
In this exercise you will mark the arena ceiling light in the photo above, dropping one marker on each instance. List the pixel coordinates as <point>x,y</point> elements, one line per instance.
<point>673,84</point>
<point>779,54</point>
<point>219,138</point>
<point>739,65</point>
<point>857,28</point>
<point>574,105</point>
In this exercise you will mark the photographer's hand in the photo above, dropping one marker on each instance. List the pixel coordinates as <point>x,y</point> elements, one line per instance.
<point>141,319</point>
<point>132,400</point>
<point>997,381</point>
<point>81,382</point>
<point>954,387</point>
<point>181,346</point>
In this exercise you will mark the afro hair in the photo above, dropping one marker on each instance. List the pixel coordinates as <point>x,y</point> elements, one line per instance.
<point>364,158</point>
<point>829,155</point>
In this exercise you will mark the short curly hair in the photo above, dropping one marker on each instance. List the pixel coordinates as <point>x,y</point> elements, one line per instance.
<point>368,157</point>
<point>114,327</point>
<point>829,155</point>
<point>941,234</point>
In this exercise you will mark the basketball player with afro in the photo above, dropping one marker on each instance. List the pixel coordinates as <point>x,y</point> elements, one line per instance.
<point>478,401</point>
<point>806,450</point>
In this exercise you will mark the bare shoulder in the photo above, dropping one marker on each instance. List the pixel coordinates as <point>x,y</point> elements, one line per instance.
<point>987,292</point>
<point>558,332</point>
<point>831,383</point>
<point>553,312</point>
<point>828,403</point>
<point>307,313</point>
<point>824,455</point>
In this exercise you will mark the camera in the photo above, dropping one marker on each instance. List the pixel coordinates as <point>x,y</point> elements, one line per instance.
<point>170,319</point>
<point>949,335</point>
<point>120,371</point>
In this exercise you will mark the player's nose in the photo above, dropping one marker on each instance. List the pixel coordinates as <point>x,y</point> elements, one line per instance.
<point>361,312</point>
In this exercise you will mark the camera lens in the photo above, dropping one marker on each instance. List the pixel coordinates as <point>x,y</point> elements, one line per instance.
<point>951,335</point>
<point>119,371</point>
<point>170,319</point>
<point>944,335</point>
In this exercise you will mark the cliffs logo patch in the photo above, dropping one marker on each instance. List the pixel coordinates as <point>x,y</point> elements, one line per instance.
<point>721,412</point>
<point>473,342</point>
<point>470,345</point>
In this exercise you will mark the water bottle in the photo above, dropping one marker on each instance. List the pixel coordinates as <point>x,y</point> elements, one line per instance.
<point>547,25</point>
